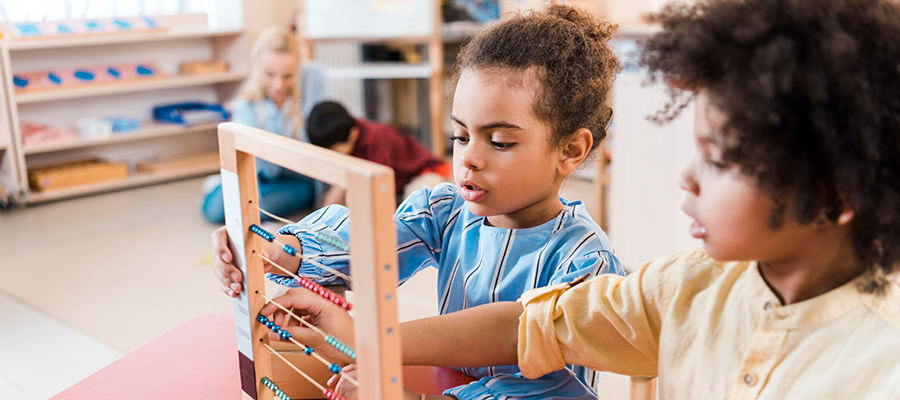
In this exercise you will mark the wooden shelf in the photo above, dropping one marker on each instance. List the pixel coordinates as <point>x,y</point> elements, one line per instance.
<point>134,180</point>
<point>147,131</point>
<point>128,87</point>
<point>381,70</point>
<point>123,38</point>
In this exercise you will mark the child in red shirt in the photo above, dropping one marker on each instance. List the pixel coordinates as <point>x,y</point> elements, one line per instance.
<point>332,127</point>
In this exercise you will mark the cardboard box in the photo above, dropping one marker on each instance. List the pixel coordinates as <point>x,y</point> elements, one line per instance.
<point>75,174</point>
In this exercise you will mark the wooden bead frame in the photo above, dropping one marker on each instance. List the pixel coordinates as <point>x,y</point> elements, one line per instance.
<point>370,197</point>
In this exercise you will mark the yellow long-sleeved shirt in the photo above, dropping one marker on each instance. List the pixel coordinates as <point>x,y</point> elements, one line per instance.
<point>714,330</point>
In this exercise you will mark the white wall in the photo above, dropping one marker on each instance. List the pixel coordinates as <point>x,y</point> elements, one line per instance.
<point>644,204</point>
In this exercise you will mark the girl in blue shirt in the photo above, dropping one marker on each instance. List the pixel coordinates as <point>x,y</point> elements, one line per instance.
<point>274,99</point>
<point>531,103</point>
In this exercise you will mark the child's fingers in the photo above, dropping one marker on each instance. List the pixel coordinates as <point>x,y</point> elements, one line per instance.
<point>333,381</point>
<point>300,300</point>
<point>227,290</point>
<point>220,245</point>
<point>229,278</point>
<point>342,386</point>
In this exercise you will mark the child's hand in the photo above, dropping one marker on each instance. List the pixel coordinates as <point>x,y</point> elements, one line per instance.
<point>274,251</point>
<point>342,386</point>
<point>348,390</point>
<point>230,276</point>
<point>318,311</point>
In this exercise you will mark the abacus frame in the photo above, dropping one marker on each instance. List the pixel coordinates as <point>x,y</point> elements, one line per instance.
<point>370,197</point>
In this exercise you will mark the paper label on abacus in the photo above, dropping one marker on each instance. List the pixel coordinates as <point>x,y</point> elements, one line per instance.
<point>235,228</point>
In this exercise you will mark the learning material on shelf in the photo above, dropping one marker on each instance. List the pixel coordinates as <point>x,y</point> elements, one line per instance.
<point>58,78</point>
<point>50,29</point>
<point>75,174</point>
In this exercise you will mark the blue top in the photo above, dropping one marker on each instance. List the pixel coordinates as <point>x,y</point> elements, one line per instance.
<point>477,264</point>
<point>313,89</point>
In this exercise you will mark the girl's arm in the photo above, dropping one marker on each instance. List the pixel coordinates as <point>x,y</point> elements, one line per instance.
<point>476,337</point>
<point>419,223</point>
<point>480,336</point>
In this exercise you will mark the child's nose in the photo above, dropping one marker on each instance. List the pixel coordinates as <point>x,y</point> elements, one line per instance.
<point>470,158</point>
<point>687,182</point>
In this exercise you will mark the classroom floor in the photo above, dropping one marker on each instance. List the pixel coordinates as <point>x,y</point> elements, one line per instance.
<point>85,281</point>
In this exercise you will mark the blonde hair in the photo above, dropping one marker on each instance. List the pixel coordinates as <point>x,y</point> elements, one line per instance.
<point>276,39</point>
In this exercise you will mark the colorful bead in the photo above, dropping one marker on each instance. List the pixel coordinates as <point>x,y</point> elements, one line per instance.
<point>343,348</point>
<point>262,232</point>
<point>269,324</point>
<point>321,291</point>
<point>308,350</point>
<point>274,388</point>
<point>290,250</point>
<point>331,395</point>
<point>285,335</point>
<point>333,241</point>
<point>262,319</point>
<point>335,368</point>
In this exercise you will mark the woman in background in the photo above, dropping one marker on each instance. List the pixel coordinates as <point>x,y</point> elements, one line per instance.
<point>275,100</point>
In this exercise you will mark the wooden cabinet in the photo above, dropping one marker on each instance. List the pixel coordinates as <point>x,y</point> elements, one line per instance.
<point>187,147</point>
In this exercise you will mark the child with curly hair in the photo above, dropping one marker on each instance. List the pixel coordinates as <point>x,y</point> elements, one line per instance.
<point>523,121</point>
<point>795,192</point>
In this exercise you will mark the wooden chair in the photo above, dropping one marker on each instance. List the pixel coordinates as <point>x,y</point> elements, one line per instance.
<point>643,388</point>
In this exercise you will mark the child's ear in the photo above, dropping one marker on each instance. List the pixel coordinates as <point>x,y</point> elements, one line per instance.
<point>354,134</point>
<point>575,151</point>
<point>846,215</point>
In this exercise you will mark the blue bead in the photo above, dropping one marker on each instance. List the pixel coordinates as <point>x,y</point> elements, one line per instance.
<point>276,329</point>
<point>308,350</point>
<point>285,335</point>
<point>262,319</point>
<point>269,324</point>
<point>290,250</point>
<point>335,368</point>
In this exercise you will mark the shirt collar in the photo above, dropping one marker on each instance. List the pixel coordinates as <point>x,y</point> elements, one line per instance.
<point>817,310</point>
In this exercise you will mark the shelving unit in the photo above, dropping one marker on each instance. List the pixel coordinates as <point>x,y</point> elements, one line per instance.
<point>148,131</point>
<point>100,40</point>
<point>187,39</point>
<point>419,23</point>
<point>128,87</point>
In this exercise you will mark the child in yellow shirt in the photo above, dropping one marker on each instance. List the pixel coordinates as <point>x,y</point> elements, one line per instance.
<point>797,168</point>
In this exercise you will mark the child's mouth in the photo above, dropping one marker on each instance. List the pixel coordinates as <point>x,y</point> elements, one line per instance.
<point>698,231</point>
<point>471,192</point>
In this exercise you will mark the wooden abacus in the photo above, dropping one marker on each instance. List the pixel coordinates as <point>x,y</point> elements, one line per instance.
<point>370,197</point>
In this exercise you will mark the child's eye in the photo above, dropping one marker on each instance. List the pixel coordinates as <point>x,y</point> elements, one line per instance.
<point>502,146</point>
<point>460,139</point>
<point>722,166</point>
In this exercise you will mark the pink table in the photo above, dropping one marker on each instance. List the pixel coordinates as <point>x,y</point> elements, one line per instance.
<point>198,360</point>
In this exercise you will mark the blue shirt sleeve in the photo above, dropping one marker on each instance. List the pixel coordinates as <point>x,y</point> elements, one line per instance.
<point>418,222</point>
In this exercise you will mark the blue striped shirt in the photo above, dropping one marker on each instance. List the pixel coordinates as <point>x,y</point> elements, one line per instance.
<point>477,263</point>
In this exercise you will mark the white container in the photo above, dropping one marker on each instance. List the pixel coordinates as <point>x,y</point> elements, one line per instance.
<point>94,128</point>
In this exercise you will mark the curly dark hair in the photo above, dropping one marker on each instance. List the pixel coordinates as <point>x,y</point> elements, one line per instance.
<point>329,123</point>
<point>570,52</point>
<point>811,89</point>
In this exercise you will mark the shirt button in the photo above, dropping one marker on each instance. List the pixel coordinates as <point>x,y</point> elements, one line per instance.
<point>750,379</point>
<point>768,305</point>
